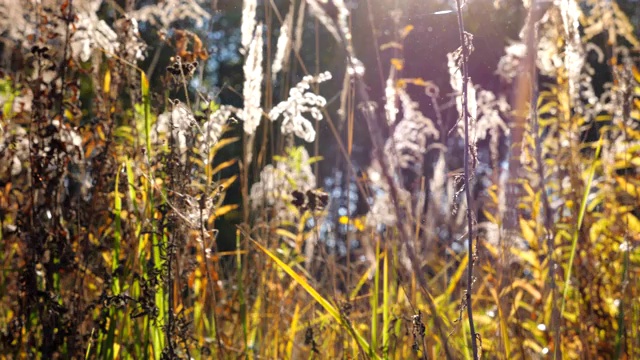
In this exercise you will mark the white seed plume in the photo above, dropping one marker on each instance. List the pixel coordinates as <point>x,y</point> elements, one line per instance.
<point>391,97</point>
<point>284,44</point>
<point>248,23</point>
<point>252,91</point>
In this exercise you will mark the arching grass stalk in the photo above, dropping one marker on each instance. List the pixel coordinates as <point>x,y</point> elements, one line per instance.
<point>467,178</point>
<point>576,231</point>
<point>331,309</point>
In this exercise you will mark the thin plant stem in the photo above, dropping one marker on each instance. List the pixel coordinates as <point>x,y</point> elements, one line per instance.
<point>467,179</point>
<point>548,215</point>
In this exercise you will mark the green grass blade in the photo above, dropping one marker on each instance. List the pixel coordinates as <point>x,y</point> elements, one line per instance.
<point>386,311</point>
<point>374,299</point>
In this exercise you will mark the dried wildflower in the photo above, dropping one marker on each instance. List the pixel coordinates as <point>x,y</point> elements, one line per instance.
<point>298,103</point>
<point>178,69</point>
<point>197,211</point>
<point>418,330</point>
<point>298,199</point>
<point>65,138</point>
<point>313,200</point>
<point>317,200</point>
<point>251,114</point>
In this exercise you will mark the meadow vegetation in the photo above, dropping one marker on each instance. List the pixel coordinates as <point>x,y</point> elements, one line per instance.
<point>144,215</point>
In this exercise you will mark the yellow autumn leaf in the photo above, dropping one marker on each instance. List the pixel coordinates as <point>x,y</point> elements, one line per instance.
<point>391,45</point>
<point>286,234</point>
<point>633,224</point>
<point>405,31</point>
<point>224,209</point>
<point>106,87</point>
<point>398,64</point>
<point>528,234</point>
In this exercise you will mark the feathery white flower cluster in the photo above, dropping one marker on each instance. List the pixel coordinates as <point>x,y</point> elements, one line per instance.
<point>343,20</point>
<point>381,211</point>
<point>299,102</point>
<point>405,150</point>
<point>252,90</point>
<point>509,63</point>
<point>438,187</point>
<point>549,56</point>
<point>278,181</point>
<point>408,142</point>
<point>182,120</point>
<point>490,111</point>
